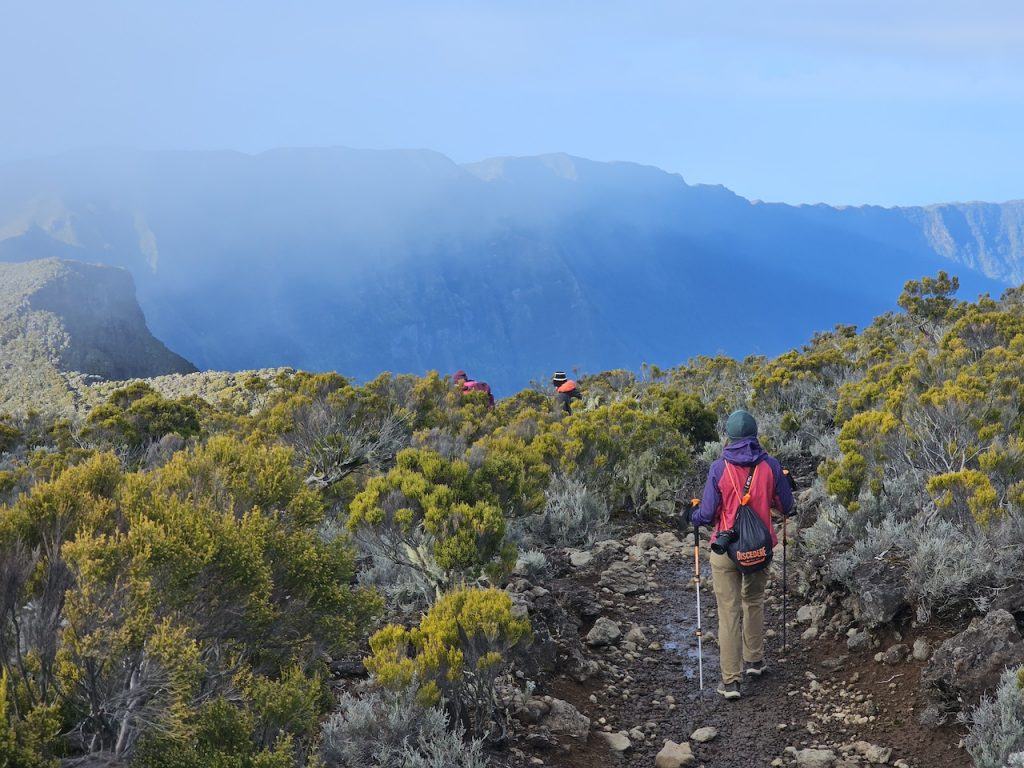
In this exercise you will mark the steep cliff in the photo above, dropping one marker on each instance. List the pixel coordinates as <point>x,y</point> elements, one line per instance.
<point>58,317</point>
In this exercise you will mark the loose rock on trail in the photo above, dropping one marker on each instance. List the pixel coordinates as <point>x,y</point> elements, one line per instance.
<point>820,704</point>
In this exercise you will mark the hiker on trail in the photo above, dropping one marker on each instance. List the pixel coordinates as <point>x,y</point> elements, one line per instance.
<point>466,384</point>
<point>743,472</point>
<point>565,390</point>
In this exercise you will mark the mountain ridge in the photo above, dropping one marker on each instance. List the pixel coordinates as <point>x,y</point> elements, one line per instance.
<point>403,260</point>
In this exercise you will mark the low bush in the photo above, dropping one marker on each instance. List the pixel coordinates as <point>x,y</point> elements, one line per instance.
<point>996,738</point>
<point>631,452</point>
<point>137,415</point>
<point>428,514</point>
<point>389,729</point>
<point>223,736</point>
<point>945,568</point>
<point>949,568</point>
<point>407,590</point>
<point>532,562</point>
<point>573,516</point>
<point>821,538</point>
<point>456,655</point>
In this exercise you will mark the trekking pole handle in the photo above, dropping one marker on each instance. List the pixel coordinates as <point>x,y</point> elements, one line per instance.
<point>694,503</point>
<point>789,478</point>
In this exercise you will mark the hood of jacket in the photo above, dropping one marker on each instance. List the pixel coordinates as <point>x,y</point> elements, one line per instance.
<point>746,452</point>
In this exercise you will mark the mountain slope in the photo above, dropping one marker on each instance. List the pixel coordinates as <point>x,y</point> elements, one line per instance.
<point>367,260</point>
<point>58,317</point>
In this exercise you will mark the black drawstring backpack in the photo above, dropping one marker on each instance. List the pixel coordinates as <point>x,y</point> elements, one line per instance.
<point>750,546</point>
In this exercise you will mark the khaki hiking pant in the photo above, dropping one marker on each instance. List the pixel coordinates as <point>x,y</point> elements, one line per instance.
<point>740,597</point>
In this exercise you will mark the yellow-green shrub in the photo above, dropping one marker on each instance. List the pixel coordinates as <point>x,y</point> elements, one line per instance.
<point>138,415</point>
<point>968,490</point>
<point>867,443</point>
<point>455,655</point>
<point>428,514</point>
<point>176,580</point>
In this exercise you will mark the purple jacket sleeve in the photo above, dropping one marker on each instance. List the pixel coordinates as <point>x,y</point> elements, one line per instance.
<point>783,493</point>
<point>712,498</point>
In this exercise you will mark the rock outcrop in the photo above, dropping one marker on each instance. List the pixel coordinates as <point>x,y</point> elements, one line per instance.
<point>59,317</point>
<point>969,664</point>
<point>883,596</point>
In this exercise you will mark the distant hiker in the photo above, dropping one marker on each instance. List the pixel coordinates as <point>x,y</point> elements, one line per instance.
<point>565,390</point>
<point>467,384</point>
<point>744,474</point>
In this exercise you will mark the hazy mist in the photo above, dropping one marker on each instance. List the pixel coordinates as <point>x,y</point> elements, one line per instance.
<point>794,101</point>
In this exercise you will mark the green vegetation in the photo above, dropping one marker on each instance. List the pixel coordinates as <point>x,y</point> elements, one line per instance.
<point>199,560</point>
<point>180,566</point>
<point>456,653</point>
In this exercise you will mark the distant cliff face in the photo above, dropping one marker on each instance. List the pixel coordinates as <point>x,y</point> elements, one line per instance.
<point>985,236</point>
<point>57,317</point>
<point>363,261</point>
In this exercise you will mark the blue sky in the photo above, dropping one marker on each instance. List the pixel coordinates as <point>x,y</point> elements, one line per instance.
<point>801,101</point>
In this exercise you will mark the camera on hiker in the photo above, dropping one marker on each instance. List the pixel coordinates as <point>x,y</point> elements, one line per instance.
<point>722,541</point>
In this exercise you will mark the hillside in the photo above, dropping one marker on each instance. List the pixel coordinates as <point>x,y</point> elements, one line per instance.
<point>279,568</point>
<point>59,317</point>
<point>340,259</point>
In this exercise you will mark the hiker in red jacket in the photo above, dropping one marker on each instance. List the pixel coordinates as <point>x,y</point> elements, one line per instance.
<point>566,390</point>
<point>740,596</point>
<point>466,384</point>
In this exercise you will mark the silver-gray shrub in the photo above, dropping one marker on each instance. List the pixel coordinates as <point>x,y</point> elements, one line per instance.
<point>533,562</point>
<point>384,729</point>
<point>652,493</point>
<point>784,446</point>
<point>946,567</point>
<point>822,537</point>
<point>904,495</point>
<point>788,448</point>
<point>826,445</point>
<point>573,516</point>
<point>439,441</point>
<point>877,542</point>
<point>997,725</point>
<point>407,591</point>
<point>711,451</point>
<point>1006,537</point>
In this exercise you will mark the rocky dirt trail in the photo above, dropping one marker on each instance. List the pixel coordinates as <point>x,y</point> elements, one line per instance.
<point>821,705</point>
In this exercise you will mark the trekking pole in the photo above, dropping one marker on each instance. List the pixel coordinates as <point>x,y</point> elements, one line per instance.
<point>785,582</point>
<point>785,547</point>
<point>694,503</point>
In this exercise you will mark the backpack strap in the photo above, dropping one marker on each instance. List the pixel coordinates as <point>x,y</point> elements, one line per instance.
<point>745,497</point>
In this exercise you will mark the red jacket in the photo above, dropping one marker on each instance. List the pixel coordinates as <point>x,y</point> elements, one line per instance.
<point>762,495</point>
<point>768,490</point>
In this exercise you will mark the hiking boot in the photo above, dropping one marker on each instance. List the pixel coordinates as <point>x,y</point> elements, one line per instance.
<point>755,668</point>
<point>729,690</point>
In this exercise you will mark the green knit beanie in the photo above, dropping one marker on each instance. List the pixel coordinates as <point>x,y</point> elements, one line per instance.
<point>740,424</point>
